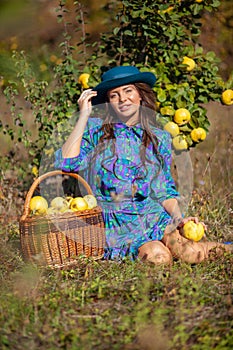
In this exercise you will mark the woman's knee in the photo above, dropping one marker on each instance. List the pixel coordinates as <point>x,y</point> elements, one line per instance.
<point>155,252</point>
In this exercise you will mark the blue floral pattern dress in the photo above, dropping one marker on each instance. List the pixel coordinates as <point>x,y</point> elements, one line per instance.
<point>129,192</point>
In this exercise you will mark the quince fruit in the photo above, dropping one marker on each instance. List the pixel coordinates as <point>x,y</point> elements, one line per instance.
<point>35,171</point>
<point>182,116</point>
<point>167,110</point>
<point>59,203</point>
<point>227,97</point>
<point>179,143</point>
<point>172,128</point>
<point>83,80</point>
<point>189,62</point>
<point>198,134</point>
<point>91,201</point>
<point>193,231</point>
<point>38,205</point>
<point>78,204</point>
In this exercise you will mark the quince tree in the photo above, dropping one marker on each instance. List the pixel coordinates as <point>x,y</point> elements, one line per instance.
<point>162,37</point>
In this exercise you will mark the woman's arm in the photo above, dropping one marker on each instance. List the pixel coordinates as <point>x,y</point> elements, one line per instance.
<point>172,208</point>
<point>71,147</point>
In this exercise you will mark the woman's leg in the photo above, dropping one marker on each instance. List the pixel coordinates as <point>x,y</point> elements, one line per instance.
<point>155,252</point>
<point>192,252</point>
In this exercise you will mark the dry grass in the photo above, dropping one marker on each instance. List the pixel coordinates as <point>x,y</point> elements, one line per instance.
<point>213,174</point>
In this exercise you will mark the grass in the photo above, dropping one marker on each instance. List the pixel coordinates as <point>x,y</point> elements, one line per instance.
<point>107,305</point>
<point>128,305</point>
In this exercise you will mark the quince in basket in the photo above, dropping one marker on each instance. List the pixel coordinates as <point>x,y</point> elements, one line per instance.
<point>59,203</point>
<point>83,203</point>
<point>52,211</point>
<point>78,204</point>
<point>91,201</point>
<point>38,205</point>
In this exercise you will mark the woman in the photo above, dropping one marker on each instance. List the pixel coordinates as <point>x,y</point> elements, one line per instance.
<point>126,160</point>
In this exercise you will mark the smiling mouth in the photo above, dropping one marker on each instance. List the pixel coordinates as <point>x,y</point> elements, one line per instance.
<point>124,108</point>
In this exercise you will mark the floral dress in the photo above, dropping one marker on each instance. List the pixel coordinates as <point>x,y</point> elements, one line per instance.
<point>130,192</point>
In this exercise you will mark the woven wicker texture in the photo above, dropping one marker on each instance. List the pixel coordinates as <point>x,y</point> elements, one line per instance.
<point>57,240</point>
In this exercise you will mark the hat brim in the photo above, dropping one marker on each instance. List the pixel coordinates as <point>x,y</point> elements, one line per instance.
<point>102,88</point>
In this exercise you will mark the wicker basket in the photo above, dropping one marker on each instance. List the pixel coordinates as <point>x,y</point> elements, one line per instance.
<point>58,240</point>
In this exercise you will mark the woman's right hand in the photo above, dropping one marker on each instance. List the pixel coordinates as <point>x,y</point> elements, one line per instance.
<point>84,102</point>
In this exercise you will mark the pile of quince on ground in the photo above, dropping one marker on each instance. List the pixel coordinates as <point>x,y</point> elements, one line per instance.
<point>59,205</point>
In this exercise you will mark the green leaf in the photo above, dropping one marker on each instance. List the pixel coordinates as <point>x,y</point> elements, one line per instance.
<point>161,95</point>
<point>216,3</point>
<point>116,30</point>
<point>210,56</point>
<point>136,14</point>
<point>196,9</point>
<point>128,32</point>
<point>185,128</point>
<point>193,122</point>
<point>198,50</point>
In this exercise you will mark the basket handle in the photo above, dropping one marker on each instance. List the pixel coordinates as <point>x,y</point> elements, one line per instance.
<point>45,176</point>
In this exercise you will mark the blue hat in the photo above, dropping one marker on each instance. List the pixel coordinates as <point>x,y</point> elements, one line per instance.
<point>118,76</point>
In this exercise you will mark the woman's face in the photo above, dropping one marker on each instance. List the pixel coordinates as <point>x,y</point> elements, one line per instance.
<point>125,101</point>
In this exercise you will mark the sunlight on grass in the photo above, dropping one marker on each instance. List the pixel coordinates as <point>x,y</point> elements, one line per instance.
<point>126,306</point>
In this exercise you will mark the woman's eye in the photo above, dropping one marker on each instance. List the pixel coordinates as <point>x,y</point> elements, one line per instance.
<point>112,96</point>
